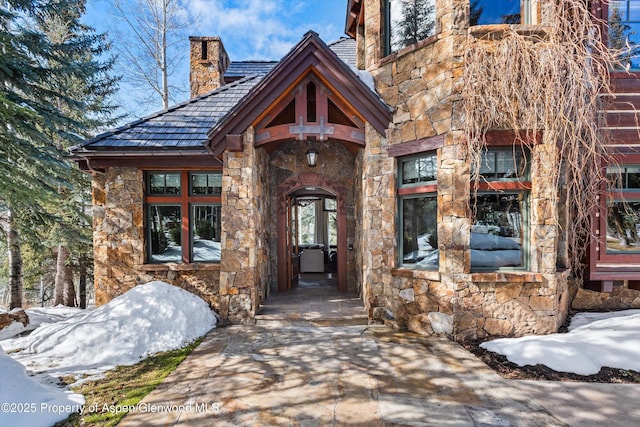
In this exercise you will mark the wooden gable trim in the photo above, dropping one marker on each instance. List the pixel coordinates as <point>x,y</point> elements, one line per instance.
<point>310,53</point>
<point>354,17</point>
<point>301,129</point>
<point>321,132</point>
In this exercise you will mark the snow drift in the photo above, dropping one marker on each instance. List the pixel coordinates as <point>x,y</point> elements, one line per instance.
<point>147,319</point>
<point>594,340</point>
<point>27,402</point>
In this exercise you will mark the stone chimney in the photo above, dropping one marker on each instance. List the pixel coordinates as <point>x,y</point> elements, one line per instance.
<point>208,62</point>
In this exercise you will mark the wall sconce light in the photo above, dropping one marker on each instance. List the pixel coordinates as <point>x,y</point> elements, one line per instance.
<point>312,157</point>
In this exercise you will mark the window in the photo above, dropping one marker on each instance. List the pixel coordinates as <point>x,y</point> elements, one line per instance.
<point>407,22</point>
<point>485,12</point>
<point>331,208</point>
<point>183,216</point>
<point>623,210</point>
<point>624,31</point>
<point>307,220</point>
<point>206,184</point>
<point>418,211</point>
<point>499,226</point>
<point>623,227</point>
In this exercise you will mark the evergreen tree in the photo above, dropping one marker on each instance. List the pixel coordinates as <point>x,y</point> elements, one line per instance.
<point>475,12</point>
<point>416,23</point>
<point>53,95</point>
<point>619,38</point>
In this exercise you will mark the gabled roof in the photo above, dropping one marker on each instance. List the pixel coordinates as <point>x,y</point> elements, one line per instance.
<point>345,48</point>
<point>310,53</point>
<point>182,126</point>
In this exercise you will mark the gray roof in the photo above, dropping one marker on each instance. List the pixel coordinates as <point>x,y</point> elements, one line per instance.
<point>184,126</point>
<point>241,69</point>
<point>345,48</point>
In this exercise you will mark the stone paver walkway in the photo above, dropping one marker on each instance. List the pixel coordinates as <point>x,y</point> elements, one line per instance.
<point>334,376</point>
<point>315,302</point>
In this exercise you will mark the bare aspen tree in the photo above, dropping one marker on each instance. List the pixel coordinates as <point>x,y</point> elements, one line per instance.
<point>147,39</point>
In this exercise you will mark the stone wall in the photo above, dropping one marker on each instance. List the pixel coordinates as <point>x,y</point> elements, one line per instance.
<point>417,80</point>
<point>119,243</point>
<point>378,238</point>
<point>424,83</point>
<point>621,297</point>
<point>244,252</point>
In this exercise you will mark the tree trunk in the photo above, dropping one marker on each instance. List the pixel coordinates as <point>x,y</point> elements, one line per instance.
<point>69,287</point>
<point>15,263</point>
<point>61,272</point>
<point>82,286</point>
<point>163,67</point>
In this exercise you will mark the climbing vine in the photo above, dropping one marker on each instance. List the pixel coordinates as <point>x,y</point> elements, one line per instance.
<point>549,82</point>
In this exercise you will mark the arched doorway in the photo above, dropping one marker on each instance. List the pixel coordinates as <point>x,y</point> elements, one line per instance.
<point>288,193</point>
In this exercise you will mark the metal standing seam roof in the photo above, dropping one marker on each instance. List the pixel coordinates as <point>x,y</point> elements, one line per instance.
<point>185,125</point>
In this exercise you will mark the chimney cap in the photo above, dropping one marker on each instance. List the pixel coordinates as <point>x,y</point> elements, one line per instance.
<point>204,38</point>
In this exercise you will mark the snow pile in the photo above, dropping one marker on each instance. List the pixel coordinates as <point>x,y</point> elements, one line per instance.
<point>37,317</point>
<point>594,340</point>
<point>26,402</point>
<point>148,319</point>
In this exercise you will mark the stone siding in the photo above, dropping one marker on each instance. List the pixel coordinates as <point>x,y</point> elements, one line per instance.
<point>206,69</point>
<point>424,83</point>
<point>119,243</point>
<point>378,236</point>
<point>620,298</point>
<point>244,264</point>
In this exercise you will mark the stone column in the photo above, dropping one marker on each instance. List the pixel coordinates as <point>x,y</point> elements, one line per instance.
<point>378,237</point>
<point>373,32</point>
<point>241,245</point>
<point>118,231</point>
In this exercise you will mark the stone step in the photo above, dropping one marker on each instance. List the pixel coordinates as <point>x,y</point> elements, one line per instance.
<point>297,320</point>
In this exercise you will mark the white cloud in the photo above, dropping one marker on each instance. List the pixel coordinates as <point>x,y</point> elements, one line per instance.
<point>261,29</point>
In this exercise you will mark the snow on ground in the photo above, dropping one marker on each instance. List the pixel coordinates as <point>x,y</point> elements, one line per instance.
<point>26,402</point>
<point>37,317</point>
<point>594,340</point>
<point>148,319</point>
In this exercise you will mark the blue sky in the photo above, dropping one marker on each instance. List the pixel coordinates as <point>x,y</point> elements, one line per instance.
<point>249,29</point>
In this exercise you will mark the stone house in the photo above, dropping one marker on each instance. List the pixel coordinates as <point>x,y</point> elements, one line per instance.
<point>207,194</point>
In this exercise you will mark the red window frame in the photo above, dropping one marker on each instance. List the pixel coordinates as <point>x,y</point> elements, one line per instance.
<point>600,255</point>
<point>184,200</point>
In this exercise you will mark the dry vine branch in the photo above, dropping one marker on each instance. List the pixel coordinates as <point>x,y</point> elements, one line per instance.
<point>552,82</point>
